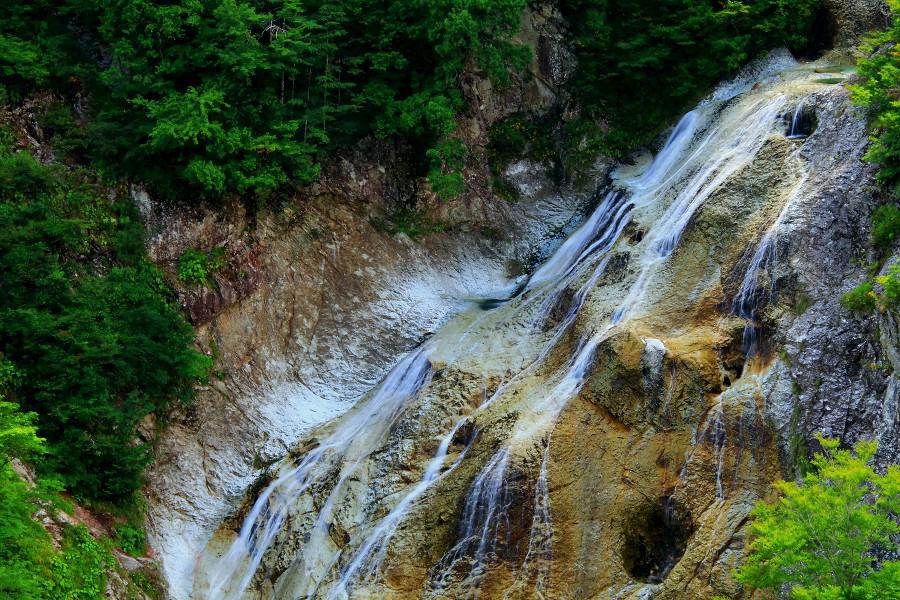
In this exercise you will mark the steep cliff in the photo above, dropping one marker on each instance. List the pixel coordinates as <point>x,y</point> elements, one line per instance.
<point>319,297</point>
<point>600,428</point>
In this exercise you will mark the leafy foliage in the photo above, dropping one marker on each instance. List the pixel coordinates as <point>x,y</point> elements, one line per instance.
<point>878,92</point>
<point>35,50</point>
<point>885,226</point>
<point>890,285</point>
<point>22,540</point>
<point>215,96</point>
<point>132,540</point>
<point>518,136</point>
<point>18,434</point>
<point>823,536</point>
<point>87,323</point>
<point>30,567</point>
<point>196,266</point>
<point>862,298</point>
<point>79,572</point>
<point>24,545</point>
<point>411,222</point>
<point>627,47</point>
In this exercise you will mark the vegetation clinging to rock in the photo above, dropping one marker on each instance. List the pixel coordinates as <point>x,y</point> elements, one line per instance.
<point>826,536</point>
<point>877,91</point>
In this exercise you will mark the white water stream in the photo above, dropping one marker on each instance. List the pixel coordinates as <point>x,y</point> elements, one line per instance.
<point>511,346</point>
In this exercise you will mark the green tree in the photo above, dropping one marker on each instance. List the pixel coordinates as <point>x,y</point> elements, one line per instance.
<point>22,541</point>
<point>18,433</point>
<point>878,92</point>
<point>823,537</point>
<point>89,325</point>
<point>247,96</point>
<point>626,47</point>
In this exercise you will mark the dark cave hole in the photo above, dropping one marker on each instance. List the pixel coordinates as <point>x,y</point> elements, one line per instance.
<point>824,34</point>
<point>655,540</point>
<point>637,236</point>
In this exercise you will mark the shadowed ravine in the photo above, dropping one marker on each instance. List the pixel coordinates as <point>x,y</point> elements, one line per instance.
<point>531,450</point>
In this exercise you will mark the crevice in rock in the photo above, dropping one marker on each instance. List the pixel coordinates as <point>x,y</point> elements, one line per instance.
<point>824,34</point>
<point>733,358</point>
<point>655,540</point>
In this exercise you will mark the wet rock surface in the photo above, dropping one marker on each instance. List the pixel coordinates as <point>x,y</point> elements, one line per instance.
<point>641,484</point>
<point>313,306</point>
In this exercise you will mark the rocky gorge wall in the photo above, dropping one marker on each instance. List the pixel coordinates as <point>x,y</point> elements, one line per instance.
<point>319,297</point>
<point>674,434</point>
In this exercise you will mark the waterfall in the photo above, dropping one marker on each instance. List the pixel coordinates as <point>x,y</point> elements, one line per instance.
<point>796,132</point>
<point>661,167</point>
<point>344,449</point>
<point>583,242</point>
<point>370,555</point>
<point>534,352</point>
<point>480,526</point>
<point>751,295</point>
<point>535,570</point>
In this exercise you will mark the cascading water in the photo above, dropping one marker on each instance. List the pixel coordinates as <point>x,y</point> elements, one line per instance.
<point>533,354</point>
<point>343,450</point>
<point>535,570</point>
<point>799,122</point>
<point>480,527</point>
<point>751,295</point>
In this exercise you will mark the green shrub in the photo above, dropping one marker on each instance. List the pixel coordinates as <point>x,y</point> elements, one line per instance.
<point>79,572</point>
<point>409,221</point>
<point>885,225</point>
<point>25,549</point>
<point>628,49</point>
<point>131,540</point>
<point>31,568</point>
<point>880,74</point>
<point>66,136</point>
<point>502,189</point>
<point>196,266</point>
<point>890,283</point>
<point>862,299</point>
<point>88,324</point>
<point>520,136</point>
<point>192,266</point>
<point>447,160</point>
<point>821,539</point>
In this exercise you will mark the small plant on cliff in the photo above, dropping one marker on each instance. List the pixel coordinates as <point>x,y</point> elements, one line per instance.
<point>195,266</point>
<point>861,299</point>
<point>886,226</point>
<point>131,539</point>
<point>827,536</point>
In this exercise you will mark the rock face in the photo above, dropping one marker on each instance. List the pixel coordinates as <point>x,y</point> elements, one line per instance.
<point>853,18</point>
<point>606,430</point>
<point>317,298</point>
<point>334,303</point>
<point>599,430</point>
